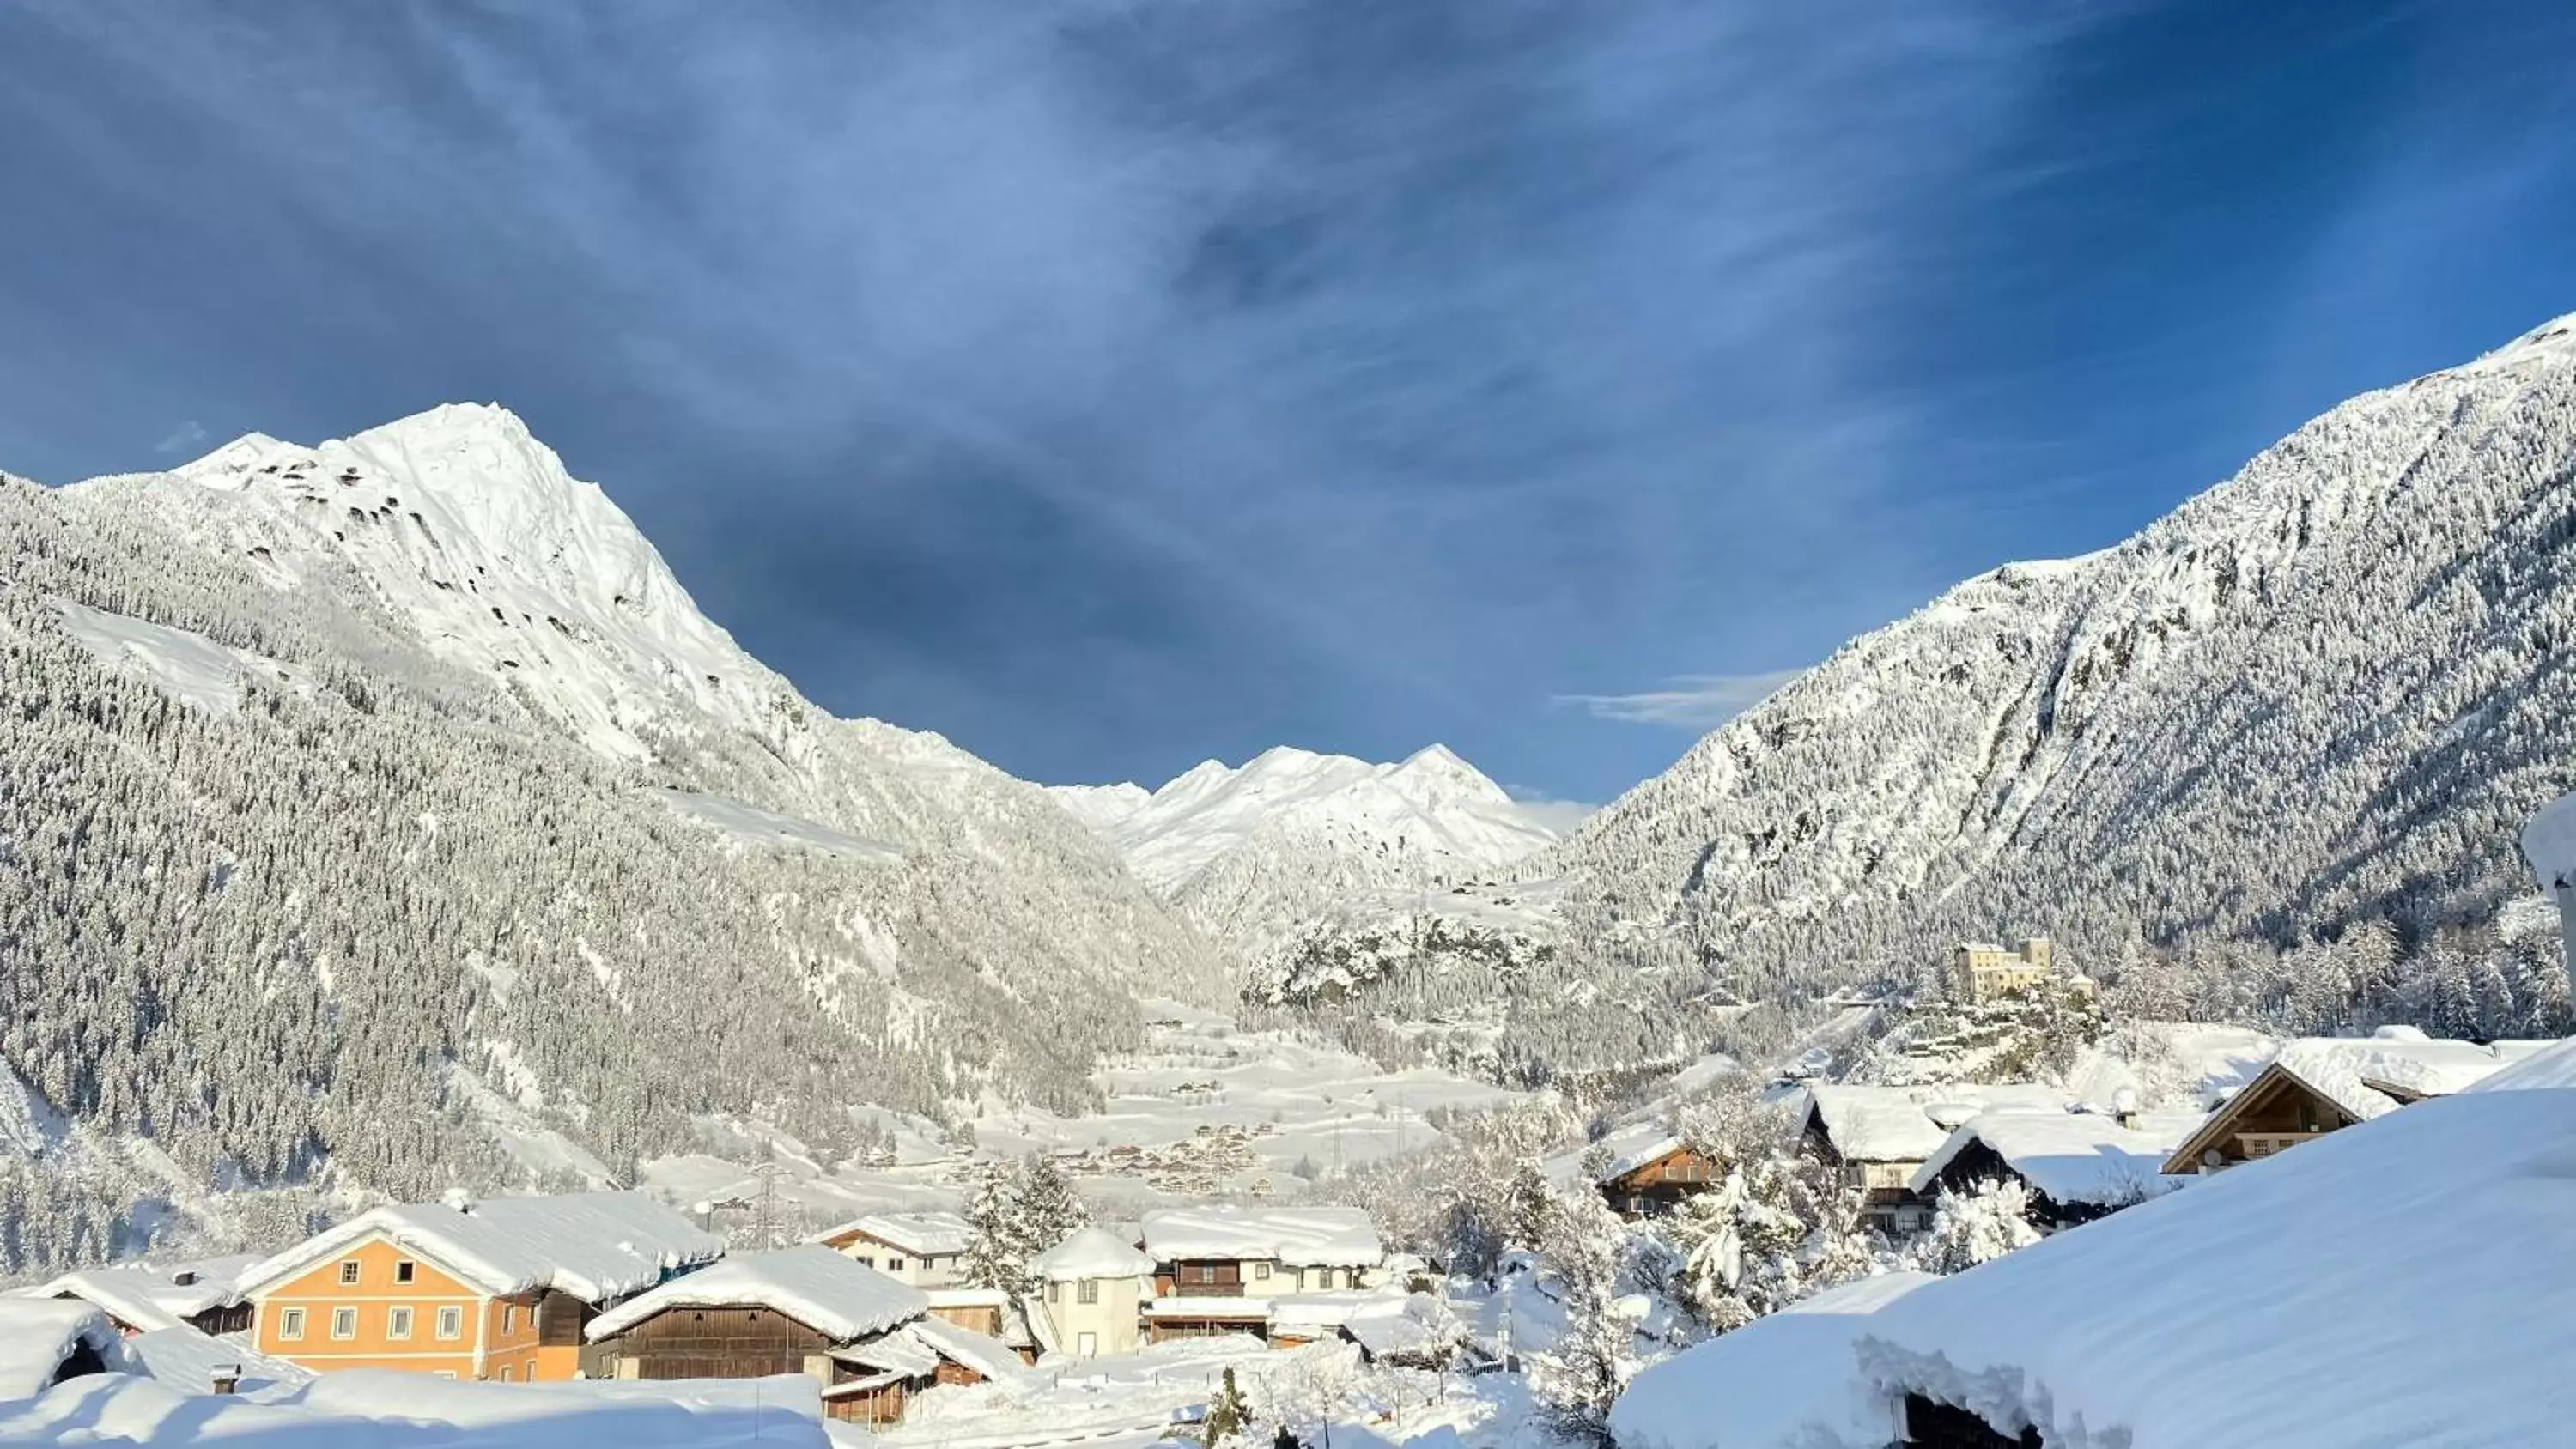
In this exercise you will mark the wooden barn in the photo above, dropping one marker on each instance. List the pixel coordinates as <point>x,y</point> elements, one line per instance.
<point>866,1339</point>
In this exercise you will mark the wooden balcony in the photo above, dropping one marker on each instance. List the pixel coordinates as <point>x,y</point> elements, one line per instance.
<point>2253,1145</point>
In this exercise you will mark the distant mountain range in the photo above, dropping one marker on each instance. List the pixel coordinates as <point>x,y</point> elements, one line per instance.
<point>1251,854</point>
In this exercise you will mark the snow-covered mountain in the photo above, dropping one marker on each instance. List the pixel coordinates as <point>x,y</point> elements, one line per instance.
<point>2328,690</point>
<point>395,785</point>
<point>1249,854</point>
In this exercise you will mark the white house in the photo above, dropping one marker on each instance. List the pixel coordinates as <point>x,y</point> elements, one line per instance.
<point>1218,1269</point>
<point>1097,1285</point>
<point>923,1249</point>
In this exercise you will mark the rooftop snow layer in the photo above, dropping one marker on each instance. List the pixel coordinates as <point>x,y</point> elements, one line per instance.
<point>1302,1237</point>
<point>37,1335</point>
<point>1904,1124</point>
<point>143,1297</point>
<point>2072,1157</point>
<point>2391,1284</point>
<point>2367,1076</point>
<point>810,1283</point>
<point>2551,1065</point>
<point>1091,1253</point>
<point>1759,1385</point>
<point>982,1352</point>
<point>186,1359</point>
<point>931,1234</point>
<point>596,1246</point>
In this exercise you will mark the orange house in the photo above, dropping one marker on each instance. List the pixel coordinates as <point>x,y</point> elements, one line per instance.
<point>498,1291</point>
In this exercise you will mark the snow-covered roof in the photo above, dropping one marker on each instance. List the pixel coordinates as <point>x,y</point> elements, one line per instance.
<point>144,1297</point>
<point>1210,1306</point>
<point>186,1358</point>
<point>1322,1310</point>
<point>1909,1124</point>
<point>955,1296</point>
<point>1413,1324</point>
<point>2553,1065</point>
<point>898,1353</point>
<point>2359,1074</point>
<point>37,1335</point>
<point>2549,843</point>
<point>1632,1147</point>
<point>1330,1237</point>
<point>596,1246</point>
<point>813,1284</point>
<point>2071,1157</point>
<point>1758,1386</point>
<point>923,1234</point>
<point>1091,1253</point>
<point>2439,1250</point>
<point>985,1354</point>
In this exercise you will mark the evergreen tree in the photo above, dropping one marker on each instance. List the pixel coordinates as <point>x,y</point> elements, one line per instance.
<point>996,1255</point>
<point>1228,1415</point>
<point>1049,1210</point>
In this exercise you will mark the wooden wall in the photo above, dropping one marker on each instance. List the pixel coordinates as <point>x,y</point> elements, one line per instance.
<point>716,1343</point>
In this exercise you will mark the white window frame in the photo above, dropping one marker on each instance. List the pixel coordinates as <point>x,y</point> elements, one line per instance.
<point>290,1325</point>
<point>340,1316</point>
<point>1088,1292</point>
<point>348,1272</point>
<point>894,1265</point>
<point>509,1318</point>
<point>451,1322</point>
<point>1260,1270</point>
<point>405,1270</point>
<point>398,1321</point>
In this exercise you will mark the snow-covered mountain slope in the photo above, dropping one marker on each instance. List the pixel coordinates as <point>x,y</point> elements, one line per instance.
<point>341,771</point>
<point>2329,689</point>
<point>1252,853</point>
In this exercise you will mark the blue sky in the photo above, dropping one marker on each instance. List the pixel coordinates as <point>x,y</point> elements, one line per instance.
<point>1111,384</point>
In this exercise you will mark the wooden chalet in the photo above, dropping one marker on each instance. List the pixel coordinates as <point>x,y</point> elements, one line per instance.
<point>2318,1085</point>
<point>1877,1138</point>
<point>867,1340</point>
<point>1672,1175</point>
<point>141,1298</point>
<point>2076,1166</point>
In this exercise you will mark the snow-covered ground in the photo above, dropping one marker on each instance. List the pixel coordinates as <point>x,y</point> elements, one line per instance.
<point>1205,1109</point>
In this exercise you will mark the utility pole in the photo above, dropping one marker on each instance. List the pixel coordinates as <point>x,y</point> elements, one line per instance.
<point>764,1226</point>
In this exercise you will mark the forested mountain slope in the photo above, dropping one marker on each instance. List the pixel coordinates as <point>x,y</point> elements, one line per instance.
<point>1251,854</point>
<point>2329,690</point>
<point>342,788</point>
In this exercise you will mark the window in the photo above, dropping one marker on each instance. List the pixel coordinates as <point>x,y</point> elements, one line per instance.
<point>1260,1270</point>
<point>402,1271</point>
<point>290,1323</point>
<point>505,1373</point>
<point>344,1323</point>
<point>1055,1293</point>
<point>451,1322</point>
<point>867,1262</point>
<point>894,1265</point>
<point>1206,1272</point>
<point>1090,1290</point>
<point>398,1323</point>
<point>509,1317</point>
<point>349,1273</point>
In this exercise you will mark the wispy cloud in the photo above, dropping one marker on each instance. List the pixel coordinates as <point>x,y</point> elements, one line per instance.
<point>182,438</point>
<point>1690,701</point>
<point>1547,809</point>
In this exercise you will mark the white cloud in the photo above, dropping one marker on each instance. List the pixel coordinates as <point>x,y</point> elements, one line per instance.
<point>1558,815</point>
<point>183,437</point>
<point>1690,701</point>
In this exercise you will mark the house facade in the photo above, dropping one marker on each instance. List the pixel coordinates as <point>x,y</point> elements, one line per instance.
<point>494,1291</point>
<point>1097,1285</point>
<point>2075,1166</point>
<point>924,1249</point>
<point>1877,1138</point>
<point>2549,843</point>
<point>2317,1085</point>
<point>1670,1173</point>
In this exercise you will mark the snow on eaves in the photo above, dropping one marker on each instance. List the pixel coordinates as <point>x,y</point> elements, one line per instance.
<point>1091,1253</point>
<point>2071,1157</point>
<point>597,1246</point>
<point>1908,1124</point>
<point>982,1352</point>
<point>186,1359</point>
<point>38,1336</point>
<point>1304,1237</point>
<point>144,1297</point>
<point>2395,1283</point>
<point>818,1287</point>
<point>929,1234</point>
<point>2370,1076</point>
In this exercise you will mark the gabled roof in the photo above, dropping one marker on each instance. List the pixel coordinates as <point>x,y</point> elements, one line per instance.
<point>2069,1157</point>
<point>815,1285</point>
<point>144,1297</point>
<point>982,1352</point>
<point>1331,1237</point>
<point>1634,1146</point>
<point>1908,1124</point>
<point>2361,1077</point>
<point>595,1246</point>
<point>930,1234</point>
<point>1091,1253</point>
<point>1414,1324</point>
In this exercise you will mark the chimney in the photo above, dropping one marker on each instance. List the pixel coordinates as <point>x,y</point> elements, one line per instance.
<point>184,1278</point>
<point>226,1376</point>
<point>457,1199</point>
